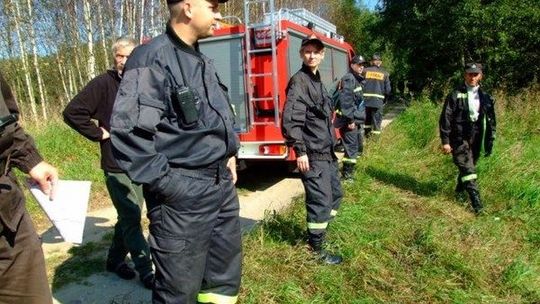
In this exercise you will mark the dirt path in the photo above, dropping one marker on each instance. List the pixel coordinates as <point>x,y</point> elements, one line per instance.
<point>270,195</point>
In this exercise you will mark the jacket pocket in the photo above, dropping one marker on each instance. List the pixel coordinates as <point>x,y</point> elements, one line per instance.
<point>11,203</point>
<point>150,113</point>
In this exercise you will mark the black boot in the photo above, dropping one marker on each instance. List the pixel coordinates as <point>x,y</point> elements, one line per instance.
<point>347,171</point>
<point>476,203</point>
<point>316,242</point>
<point>459,185</point>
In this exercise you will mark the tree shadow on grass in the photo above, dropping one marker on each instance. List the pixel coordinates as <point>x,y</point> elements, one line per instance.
<point>404,182</point>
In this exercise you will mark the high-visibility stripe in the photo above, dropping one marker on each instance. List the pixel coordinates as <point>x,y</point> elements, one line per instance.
<point>469,177</point>
<point>333,212</point>
<point>462,95</point>
<point>216,298</point>
<point>376,132</point>
<point>317,225</point>
<point>367,126</point>
<point>357,89</point>
<point>373,95</point>
<point>349,160</point>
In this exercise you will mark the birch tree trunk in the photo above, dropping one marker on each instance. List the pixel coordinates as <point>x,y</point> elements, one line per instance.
<point>103,37</point>
<point>141,23</point>
<point>120,27</point>
<point>28,81</point>
<point>91,73</point>
<point>41,86</point>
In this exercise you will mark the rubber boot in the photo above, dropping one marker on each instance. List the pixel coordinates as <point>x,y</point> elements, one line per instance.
<point>476,203</point>
<point>459,185</point>
<point>316,242</point>
<point>347,171</point>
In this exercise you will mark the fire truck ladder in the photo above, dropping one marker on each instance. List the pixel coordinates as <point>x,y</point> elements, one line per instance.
<point>250,7</point>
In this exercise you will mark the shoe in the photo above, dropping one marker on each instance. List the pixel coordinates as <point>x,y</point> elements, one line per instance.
<point>476,203</point>
<point>316,243</point>
<point>328,258</point>
<point>122,270</point>
<point>148,281</point>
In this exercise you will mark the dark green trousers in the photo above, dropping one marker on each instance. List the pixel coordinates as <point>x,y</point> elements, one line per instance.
<point>127,198</point>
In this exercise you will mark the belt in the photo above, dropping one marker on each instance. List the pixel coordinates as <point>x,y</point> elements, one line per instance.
<point>212,171</point>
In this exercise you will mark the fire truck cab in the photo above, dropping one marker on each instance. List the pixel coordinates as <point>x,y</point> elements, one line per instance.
<point>255,61</point>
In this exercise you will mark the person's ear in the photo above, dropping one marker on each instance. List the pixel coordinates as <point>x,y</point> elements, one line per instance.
<point>188,9</point>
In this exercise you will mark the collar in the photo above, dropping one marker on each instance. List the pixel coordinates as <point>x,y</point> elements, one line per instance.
<point>114,74</point>
<point>473,89</point>
<point>177,41</point>
<point>307,70</point>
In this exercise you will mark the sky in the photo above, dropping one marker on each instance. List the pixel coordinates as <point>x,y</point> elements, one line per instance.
<point>370,4</point>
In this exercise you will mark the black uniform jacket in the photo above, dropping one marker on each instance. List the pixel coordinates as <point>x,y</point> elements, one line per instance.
<point>455,124</point>
<point>17,149</point>
<point>95,101</point>
<point>377,86</point>
<point>351,98</point>
<point>307,116</point>
<point>147,132</point>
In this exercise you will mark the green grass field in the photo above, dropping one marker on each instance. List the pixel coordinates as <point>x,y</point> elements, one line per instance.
<point>404,236</point>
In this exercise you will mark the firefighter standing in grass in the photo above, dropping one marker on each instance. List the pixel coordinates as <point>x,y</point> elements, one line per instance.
<point>376,91</point>
<point>307,127</point>
<point>351,115</point>
<point>172,131</point>
<point>467,126</point>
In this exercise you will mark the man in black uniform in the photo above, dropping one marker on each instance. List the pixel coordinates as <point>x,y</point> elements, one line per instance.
<point>307,127</point>
<point>22,266</point>
<point>172,131</point>
<point>351,115</point>
<point>95,101</point>
<point>467,126</point>
<point>376,90</point>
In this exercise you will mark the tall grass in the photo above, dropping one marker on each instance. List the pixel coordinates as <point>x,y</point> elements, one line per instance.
<point>404,236</point>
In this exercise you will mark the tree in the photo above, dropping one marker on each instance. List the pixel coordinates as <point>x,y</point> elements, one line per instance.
<point>431,40</point>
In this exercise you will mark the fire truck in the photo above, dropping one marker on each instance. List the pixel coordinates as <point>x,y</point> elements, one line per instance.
<point>255,61</point>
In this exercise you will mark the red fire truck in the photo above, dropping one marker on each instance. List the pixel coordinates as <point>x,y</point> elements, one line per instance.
<point>256,59</point>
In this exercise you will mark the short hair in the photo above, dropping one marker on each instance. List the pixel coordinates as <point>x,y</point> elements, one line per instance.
<point>123,42</point>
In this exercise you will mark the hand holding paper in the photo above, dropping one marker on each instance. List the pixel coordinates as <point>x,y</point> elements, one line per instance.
<point>67,208</point>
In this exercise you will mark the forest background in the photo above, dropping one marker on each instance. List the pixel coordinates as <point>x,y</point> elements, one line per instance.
<point>50,49</point>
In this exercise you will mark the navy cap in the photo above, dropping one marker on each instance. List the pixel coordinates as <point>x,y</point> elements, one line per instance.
<point>473,67</point>
<point>358,59</point>
<point>313,40</point>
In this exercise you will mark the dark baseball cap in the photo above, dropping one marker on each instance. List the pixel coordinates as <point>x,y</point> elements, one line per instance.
<point>176,1</point>
<point>358,59</point>
<point>313,40</point>
<point>473,67</point>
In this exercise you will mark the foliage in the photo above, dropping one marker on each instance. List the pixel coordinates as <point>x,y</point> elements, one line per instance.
<point>431,40</point>
<point>356,23</point>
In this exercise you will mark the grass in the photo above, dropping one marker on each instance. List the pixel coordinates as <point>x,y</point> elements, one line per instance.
<point>405,237</point>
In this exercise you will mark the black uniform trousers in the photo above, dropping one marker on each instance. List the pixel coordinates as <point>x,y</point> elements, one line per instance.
<point>374,116</point>
<point>465,155</point>
<point>323,194</point>
<point>23,278</point>
<point>195,238</point>
<point>353,141</point>
<point>128,236</point>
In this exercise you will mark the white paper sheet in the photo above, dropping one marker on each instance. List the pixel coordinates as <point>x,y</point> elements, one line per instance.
<point>67,211</point>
